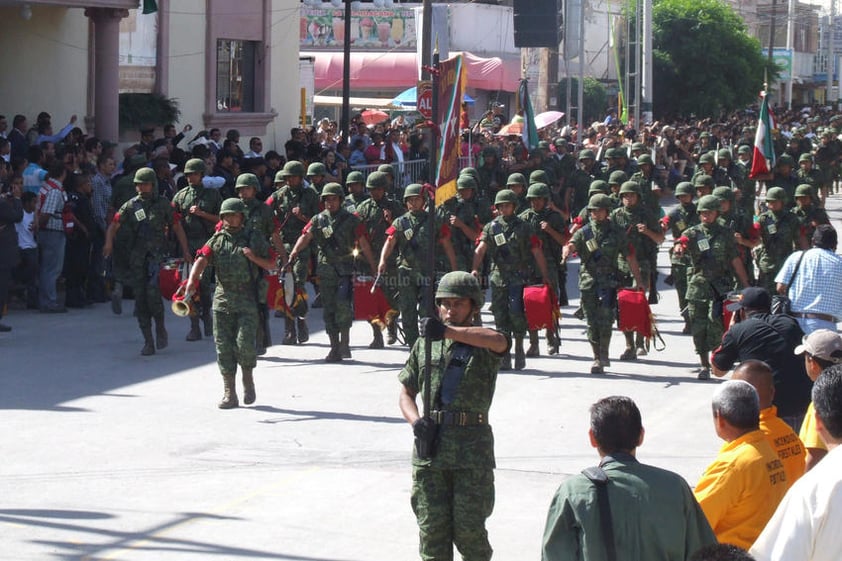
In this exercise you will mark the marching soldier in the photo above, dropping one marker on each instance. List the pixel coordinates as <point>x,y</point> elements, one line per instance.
<point>336,232</point>
<point>815,178</point>
<point>294,205</point>
<point>377,213</point>
<point>147,218</point>
<point>548,225</point>
<point>599,244</point>
<point>237,255</point>
<point>739,224</point>
<point>316,173</point>
<point>199,210</point>
<point>409,234</point>
<point>124,190</point>
<point>510,240</point>
<point>355,184</point>
<point>780,234</point>
<point>809,215</point>
<point>713,255</point>
<point>516,183</point>
<point>466,213</point>
<point>679,219</point>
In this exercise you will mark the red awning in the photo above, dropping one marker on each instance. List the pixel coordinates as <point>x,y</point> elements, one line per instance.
<point>375,71</point>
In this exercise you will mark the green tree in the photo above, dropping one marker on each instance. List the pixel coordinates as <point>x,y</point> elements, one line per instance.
<point>704,60</point>
<point>594,98</point>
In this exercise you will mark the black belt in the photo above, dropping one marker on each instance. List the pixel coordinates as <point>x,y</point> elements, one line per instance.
<point>810,315</point>
<point>458,418</point>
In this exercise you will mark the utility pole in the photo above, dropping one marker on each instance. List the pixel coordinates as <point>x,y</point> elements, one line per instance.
<point>646,93</point>
<point>426,38</point>
<point>790,47</point>
<point>831,58</point>
<point>345,125</point>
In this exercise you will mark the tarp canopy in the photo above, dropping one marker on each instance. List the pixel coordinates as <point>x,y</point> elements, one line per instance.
<point>336,101</point>
<point>410,98</point>
<point>399,70</point>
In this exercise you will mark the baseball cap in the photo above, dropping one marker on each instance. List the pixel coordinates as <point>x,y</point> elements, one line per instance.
<point>754,298</point>
<point>823,344</point>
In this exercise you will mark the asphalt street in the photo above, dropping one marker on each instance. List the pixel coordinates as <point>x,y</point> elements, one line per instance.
<point>107,455</point>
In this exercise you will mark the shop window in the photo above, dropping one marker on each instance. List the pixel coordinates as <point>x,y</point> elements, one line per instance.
<point>235,76</point>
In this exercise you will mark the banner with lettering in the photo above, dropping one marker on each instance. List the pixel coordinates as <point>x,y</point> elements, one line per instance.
<point>453,80</point>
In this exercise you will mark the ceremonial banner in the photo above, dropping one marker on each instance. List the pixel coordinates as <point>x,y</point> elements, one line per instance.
<point>763,160</point>
<point>453,79</point>
<point>530,131</point>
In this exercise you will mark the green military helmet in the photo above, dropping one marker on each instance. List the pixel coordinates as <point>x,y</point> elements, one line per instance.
<point>316,168</point>
<point>145,175</point>
<point>685,188</point>
<point>610,154</point>
<point>617,177</point>
<point>786,160</point>
<point>724,154</point>
<point>587,155</point>
<point>707,158</point>
<point>805,157</point>
<point>232,205</point>
<point>194,165</point>
<point>377,180</point>
<point>386,168</point>
<point>465,182</point>
<point>705,134</point>
<point>723,193</point>
<point>505,196</point>
<point>744,149</point>
<point>804,190</point>
<point>538,191</point>
<point>538,176</point>
<point>279,177</point>
<point>471,172</point>
<point>645,159</point>
<point>598,186</point>
<point>355,177</point>
<point>600,201</point>
<point>708,202</point>
<point>543,145</point>
<point>292,167</point>
<point>630,187</point>
<point>332,189</point>
<point>702,180</point>
<point>413,190</point>
<point>247,180</point>
<point>460,284</point>
<point>638,147</point>
<point>516,179</point>
<point>776,194</point>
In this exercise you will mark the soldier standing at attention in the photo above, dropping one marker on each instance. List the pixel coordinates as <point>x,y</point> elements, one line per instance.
<point>548,225</point>
<point>780,233</point>
<point>679,219</point>
<point>147,217</point>
<point>237,255</point>
<point>714,258</point>
<point>599,243</point>
<point>377,213</point>
<point>294,205</point>
<point>511,241</point>
<point>453,459</point>
<point>259,218</point>
<point>336,232</point>
<point>409,234</point>
<point>199,210</point>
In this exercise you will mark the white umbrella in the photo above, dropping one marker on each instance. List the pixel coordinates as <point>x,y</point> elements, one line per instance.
<point>547,118</point>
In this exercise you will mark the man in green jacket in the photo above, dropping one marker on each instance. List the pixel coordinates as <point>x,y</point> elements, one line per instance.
<point>653,513</point>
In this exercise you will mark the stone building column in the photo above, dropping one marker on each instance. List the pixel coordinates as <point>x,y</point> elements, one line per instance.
<point>106,70</point>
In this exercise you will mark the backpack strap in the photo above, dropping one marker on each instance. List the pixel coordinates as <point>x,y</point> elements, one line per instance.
<point>599,478</point>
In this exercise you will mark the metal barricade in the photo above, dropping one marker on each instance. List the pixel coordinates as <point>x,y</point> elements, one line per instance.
<point>410,171</point>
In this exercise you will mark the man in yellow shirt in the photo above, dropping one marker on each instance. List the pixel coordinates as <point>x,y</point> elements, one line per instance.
<point>740,490</point>
<point>822,349</point>
<point>780,435</point>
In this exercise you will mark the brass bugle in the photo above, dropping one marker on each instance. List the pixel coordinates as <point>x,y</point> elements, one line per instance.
<point>184,307</point>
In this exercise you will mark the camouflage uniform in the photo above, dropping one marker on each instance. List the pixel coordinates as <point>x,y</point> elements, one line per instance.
<point>737,221</point>
<point>809,217</point>
<point>475,212</point>
<point>678,220</point>
<point>453,492</point>
<point>122,192</point>
<point>779,233</point>
<point>259,218</point>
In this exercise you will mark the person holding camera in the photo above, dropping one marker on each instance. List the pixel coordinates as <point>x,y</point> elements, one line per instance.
<point>453,459</point>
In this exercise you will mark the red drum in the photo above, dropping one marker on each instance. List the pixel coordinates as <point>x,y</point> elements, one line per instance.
<point>541,307</point>
<point>368,306</point>
<point>274,292</point>
<point>171,274</point>
<point>634,312</point>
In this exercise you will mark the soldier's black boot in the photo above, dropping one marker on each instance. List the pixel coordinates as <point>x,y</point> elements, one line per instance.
<point>562,294</point>
<point>553,342</point>
<point>506,363</point>
<point>195,334</point>
<point>579,313</point>
<point>604,345</point>
<point>629,353</point>
<point>596,365</point>
<point>302,329</point>
<point>289,331</point>
<point>162,338</point>
<point>345,343</point>
<point>640,345</point>
<point>249,394</point>
<point>704,371</point>
<point>392,331</point>
<point>148,342</point>
<point>377,341</point>
<point>334,355</point>
<point>520,356</point>
<point>533,349</point>
<point>229,395</point>
<point>117,298</point>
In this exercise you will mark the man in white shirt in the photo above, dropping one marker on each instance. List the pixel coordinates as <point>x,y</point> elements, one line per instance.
<point>805,527</point>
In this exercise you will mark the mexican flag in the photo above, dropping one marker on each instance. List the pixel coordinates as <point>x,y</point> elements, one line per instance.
<point>763,160</point>
<point>529,133</point>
